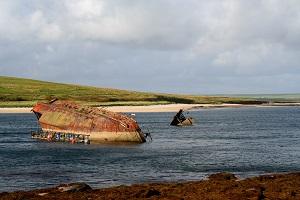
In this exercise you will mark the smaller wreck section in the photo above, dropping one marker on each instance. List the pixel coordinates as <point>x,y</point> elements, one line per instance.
<point>180,120</point>
<point>97,124</point>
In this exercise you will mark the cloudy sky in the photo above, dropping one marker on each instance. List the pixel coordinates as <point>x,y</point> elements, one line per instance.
<point>175,46</point>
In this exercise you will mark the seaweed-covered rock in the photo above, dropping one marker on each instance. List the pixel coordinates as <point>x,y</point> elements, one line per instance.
<point>222,176</point>
<point>74,187</point>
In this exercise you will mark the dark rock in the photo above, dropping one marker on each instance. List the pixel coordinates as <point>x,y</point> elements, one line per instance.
<point>261,193</point>
<point>222,176</point>
<point>147,193</point>
<point>293,193</point>
<point>152,192</point>
<point>74,187</point>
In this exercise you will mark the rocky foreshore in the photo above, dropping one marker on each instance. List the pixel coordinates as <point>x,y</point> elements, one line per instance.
<point>218,186</point>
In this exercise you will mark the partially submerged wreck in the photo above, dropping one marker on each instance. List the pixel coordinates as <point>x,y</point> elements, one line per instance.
<point>180,120</point>
<point>77,121</point>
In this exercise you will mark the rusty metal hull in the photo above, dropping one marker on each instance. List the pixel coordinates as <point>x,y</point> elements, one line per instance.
<point>101,125</point>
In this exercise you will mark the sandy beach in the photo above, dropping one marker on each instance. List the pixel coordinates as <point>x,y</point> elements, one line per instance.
<point>161,108</point>
<point>167,108</point>
<point>15,110</point>
<point>151,108</point>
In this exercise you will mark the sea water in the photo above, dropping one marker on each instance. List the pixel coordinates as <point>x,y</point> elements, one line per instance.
<point>245,141</point>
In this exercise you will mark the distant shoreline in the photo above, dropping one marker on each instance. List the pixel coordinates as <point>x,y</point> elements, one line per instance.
<point>162,108</point>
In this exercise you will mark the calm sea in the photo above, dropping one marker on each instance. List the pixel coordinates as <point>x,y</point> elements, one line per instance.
<point>244,141</point>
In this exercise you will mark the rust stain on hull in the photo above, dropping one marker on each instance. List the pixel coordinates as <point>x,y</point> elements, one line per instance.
<point>100,124</point>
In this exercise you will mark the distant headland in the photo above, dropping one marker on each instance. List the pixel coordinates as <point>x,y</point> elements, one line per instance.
<point>20,93</point>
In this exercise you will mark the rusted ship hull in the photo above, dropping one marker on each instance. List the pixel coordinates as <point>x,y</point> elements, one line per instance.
<point>99,124</point>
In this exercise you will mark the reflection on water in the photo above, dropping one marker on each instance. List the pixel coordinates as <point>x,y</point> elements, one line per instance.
<point>245,141</point>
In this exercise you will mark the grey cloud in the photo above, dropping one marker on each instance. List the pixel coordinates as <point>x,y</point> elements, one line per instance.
<point>158,24</point>
<point>168,46</point>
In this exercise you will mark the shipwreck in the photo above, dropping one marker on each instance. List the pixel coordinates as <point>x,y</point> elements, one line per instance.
<point>74,122</point>
<point>180,120</point>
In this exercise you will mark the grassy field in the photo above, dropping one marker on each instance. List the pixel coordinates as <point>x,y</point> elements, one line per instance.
<point>271,97</point>
<point>19,92</point>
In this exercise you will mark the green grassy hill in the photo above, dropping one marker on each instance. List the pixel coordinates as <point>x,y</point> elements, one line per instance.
<point>19,92</point>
